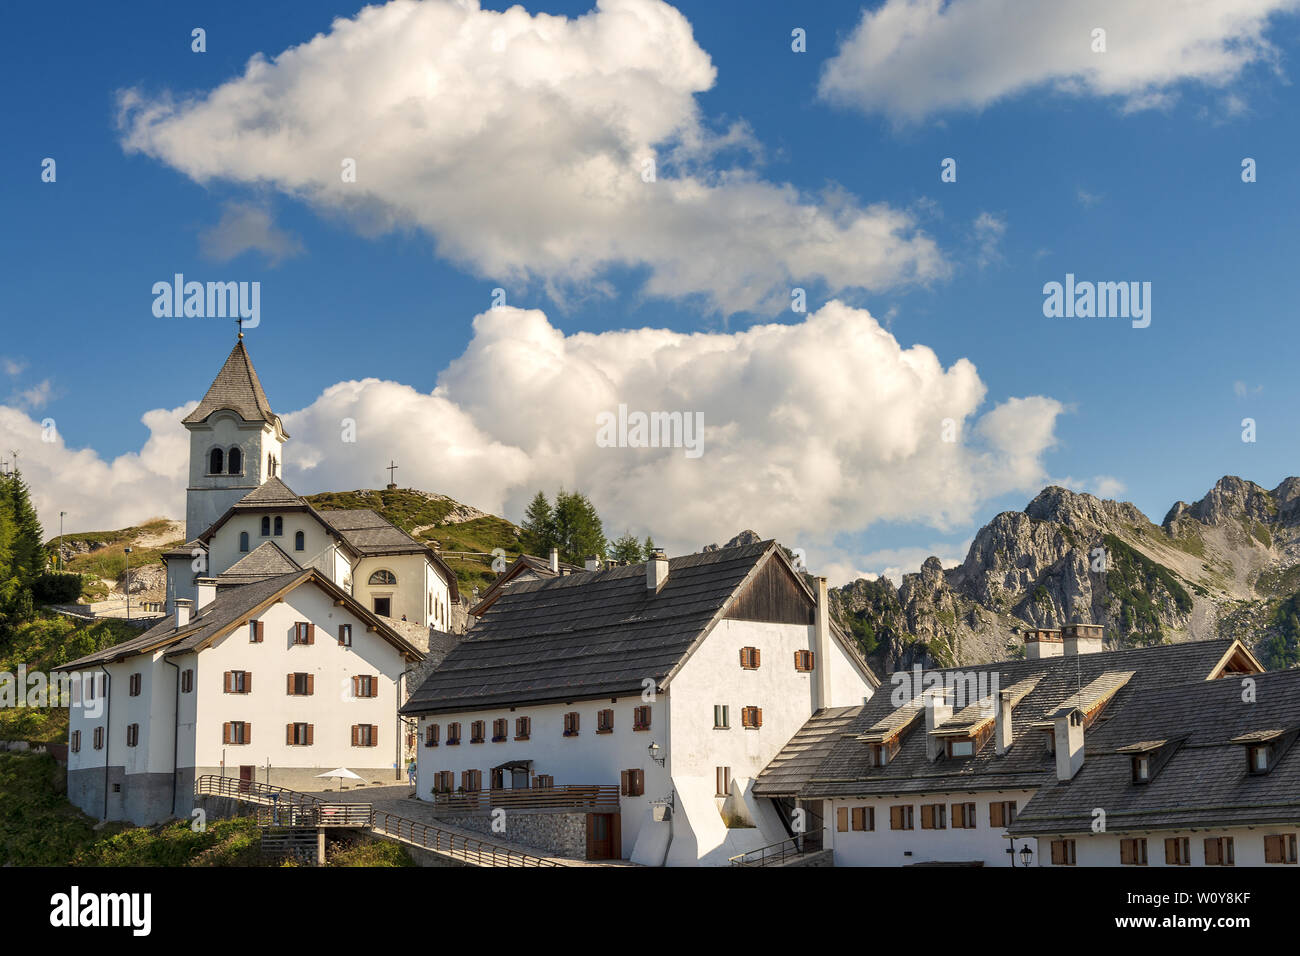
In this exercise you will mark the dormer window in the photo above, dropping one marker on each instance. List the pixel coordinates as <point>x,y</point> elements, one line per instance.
<point>1149,756</point>
<point>1260,758</point>
<point>1142,768</point>
<point>1264,748</point>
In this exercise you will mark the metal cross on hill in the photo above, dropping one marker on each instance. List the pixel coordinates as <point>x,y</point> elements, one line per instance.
<point>390,469</point>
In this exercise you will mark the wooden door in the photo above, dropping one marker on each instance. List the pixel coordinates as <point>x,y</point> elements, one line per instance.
<point>603,838</point>
<point>247,774</point>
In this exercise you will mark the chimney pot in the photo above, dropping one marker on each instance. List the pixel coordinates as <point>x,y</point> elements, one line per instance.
<point>593,563</point>
<point>1069,744</point>
<point>183,608</point>
<point>822,635</point>
<point>207,591</point>
<point>1002,723</point>
<point>555,560</point>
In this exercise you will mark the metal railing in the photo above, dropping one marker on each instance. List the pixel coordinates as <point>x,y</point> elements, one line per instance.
<point>572,797</point>
<point>770,855</point>
<point>250,791</point>
<point>320,815</point>
<point>469,849</point>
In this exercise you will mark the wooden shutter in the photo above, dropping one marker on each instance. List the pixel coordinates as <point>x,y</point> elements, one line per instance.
<point>842,819</point>
<point>1212,856</point>
<point>356,734</point>
<point>311,734</point>
<point>288,733</point>
<point>1058,852</point>
<point>1126,851</point>
<point>758,716</point>
<point>896,818</point>
<point>758,657</point>
<point>995,815</point>
<point>289,689</point>
<point>225,732</point>
<point>248,682</point>
<point>311,633</point>
<point>356,686</point>
<point>374,735</point>
<point>248,732</point>
<point>258,627</point>
<point>227,677</point>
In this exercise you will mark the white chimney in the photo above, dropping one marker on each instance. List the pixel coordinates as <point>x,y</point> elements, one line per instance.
<point>656,570</point>
<point>555,560</point>
<point>938,709</point>
<point>1083,638</point>
<point>1069,744</point>
<point>207,591</point>
<point>183,607</point>
<point>593,563</point>
<point>1002,723</point>
<point>1042,642</point>
<point>822,646</point>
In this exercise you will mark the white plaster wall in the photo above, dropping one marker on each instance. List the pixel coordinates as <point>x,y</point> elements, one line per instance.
<point>849,685</point>
<point>886,847</point>
<point>318,545</point>
<point>1102,849</point>
<point>416,580</point>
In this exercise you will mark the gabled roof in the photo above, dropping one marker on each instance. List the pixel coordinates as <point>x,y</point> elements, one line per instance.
<point>264,561</point>
<point>524,564</point>
<point>371,534</point>
<point>238,389</point>
<point>228,610</point>
<point>590,634</point>
<point>790,769</point>
<point>847,770</point>
<point>1204,781</point>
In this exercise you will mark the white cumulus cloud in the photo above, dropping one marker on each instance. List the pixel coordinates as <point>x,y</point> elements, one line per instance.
<point>912,58</point>
<point>521,143</point>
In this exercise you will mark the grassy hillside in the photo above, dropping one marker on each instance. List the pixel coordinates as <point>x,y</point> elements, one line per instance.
<point>100,555</point>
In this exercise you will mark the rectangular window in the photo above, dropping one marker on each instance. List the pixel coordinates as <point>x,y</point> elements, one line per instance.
<point>365,735</point>
<point>803,661</point>
<point>1219,851</point>
<point>571,723</point>
<point>255,632</point>
<point>721,717</point>
<point>304,632</point>
<point>453,734</point>
<point>237,732</point>
<point>934,816</point>
<point>500,730</point>
<point>641,718</point>
<point>864,818</point>
<point>133,685</point>
<point>498,781</point>
<point>963,816</point>
<point>1133,851</point>
<point>523,727</point>
<point>633,783</point>
<point>900,817</point>
<point>751,718</point>
<point>364,685</point>
<point>543,781</point>
<point>1002,814</point>
<point>238,682</point>
<point>604,722</point>
<point>471,781</point>
<point>301,685</point>
<point>842,819</point>
<point>444,781</point>
<point>1178,851</point>
<point>132,735</point>
<point>961,747</point>
<point>299,735</point>
<point>98,738</point>
<point>476,731</point>
<point>722,778</point>
<point>1063,853</point>
<point>74,742</point>
<point>749,658</point>
<point>1279,848</point>
<point>431,735</point>
<point>187,681</point>
<point>345,635</point>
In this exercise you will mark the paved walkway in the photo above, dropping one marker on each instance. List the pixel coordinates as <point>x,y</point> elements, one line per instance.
<point>400,801</point>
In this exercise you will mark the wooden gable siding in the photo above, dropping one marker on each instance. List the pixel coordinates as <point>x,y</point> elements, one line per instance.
<point>773,596</point>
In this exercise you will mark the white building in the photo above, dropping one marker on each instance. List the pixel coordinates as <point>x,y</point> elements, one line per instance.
<point>674,681</point>
<point>938,766</point>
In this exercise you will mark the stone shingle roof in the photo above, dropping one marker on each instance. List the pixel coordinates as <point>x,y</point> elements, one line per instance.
<point>798,759</point>
<point>369,533</point>
<point>272,493</point>
<point>264,561</point>
<point>847,772</point>
<point>1203,783</point>
<point>586,635</point>
<point>238,389</point>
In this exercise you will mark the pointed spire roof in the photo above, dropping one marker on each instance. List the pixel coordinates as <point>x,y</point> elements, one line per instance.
<point>238,389</point>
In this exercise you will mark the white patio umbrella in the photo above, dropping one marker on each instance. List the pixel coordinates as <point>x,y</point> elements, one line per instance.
<point>341,772</point>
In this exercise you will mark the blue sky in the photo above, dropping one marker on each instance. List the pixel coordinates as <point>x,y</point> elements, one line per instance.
<point>1074,174</point>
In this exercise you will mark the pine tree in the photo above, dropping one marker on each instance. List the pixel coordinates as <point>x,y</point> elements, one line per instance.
<point>648,548</point>
<point>626,548</point>
<point>539,526</point>
<point>578,531</point>
<point>28,537</point>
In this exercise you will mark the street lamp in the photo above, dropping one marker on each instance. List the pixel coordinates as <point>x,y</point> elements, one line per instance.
<point>127,553</point>
<point>655,752</point>
<point>1026,854</point>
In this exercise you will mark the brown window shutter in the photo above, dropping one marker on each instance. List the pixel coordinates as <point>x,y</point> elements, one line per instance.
<point>227,678</point>
<point>311,684</point>
<point>842,819</point>
<point>288,733</point>
<point>374,685</point>
<point>995,815</point>
<point>260,626</point>
<point>225,733</point>
<point>311,734</point>
<point>1125,851</point>
<point>744,659</point>
<point>356,691</point>
<point>758,657</point>
<point>289,689</point>
<point>248,682</point>
<point>356,734</point>
<point>374,735</point>
<point>248,732</point>
<point>1211,852</point>
<point>311,633</point>
<point>758,714</point>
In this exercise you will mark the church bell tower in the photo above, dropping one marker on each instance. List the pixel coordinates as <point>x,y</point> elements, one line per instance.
<point>235,442</point>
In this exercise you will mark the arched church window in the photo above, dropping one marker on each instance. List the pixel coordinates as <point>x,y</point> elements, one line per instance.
<point>299,541</point>
<point>215,459</point>
<point>235,462</point>
<point>279,526</point>
<point>383,577</point>
<point>243,541</point>
<point>266,526</point>
<point>270,466</point>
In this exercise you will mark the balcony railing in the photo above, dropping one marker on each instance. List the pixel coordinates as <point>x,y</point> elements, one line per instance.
<point>456,845</point>
<point>770,855</point>
<point>574,798</point>
<point>320,815</point>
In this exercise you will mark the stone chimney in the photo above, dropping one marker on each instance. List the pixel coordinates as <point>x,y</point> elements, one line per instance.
<point>555,560</point>
<point>593,563</point>
<point>938,709</point>
<point>656,570</point>
<point>183,608</point>
<point>1042,642</point>
<point>822,647</point>
<point>207,592</point>
<point>1083,638</point>
<point>1069,744</point>
<point>1002,723</point>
